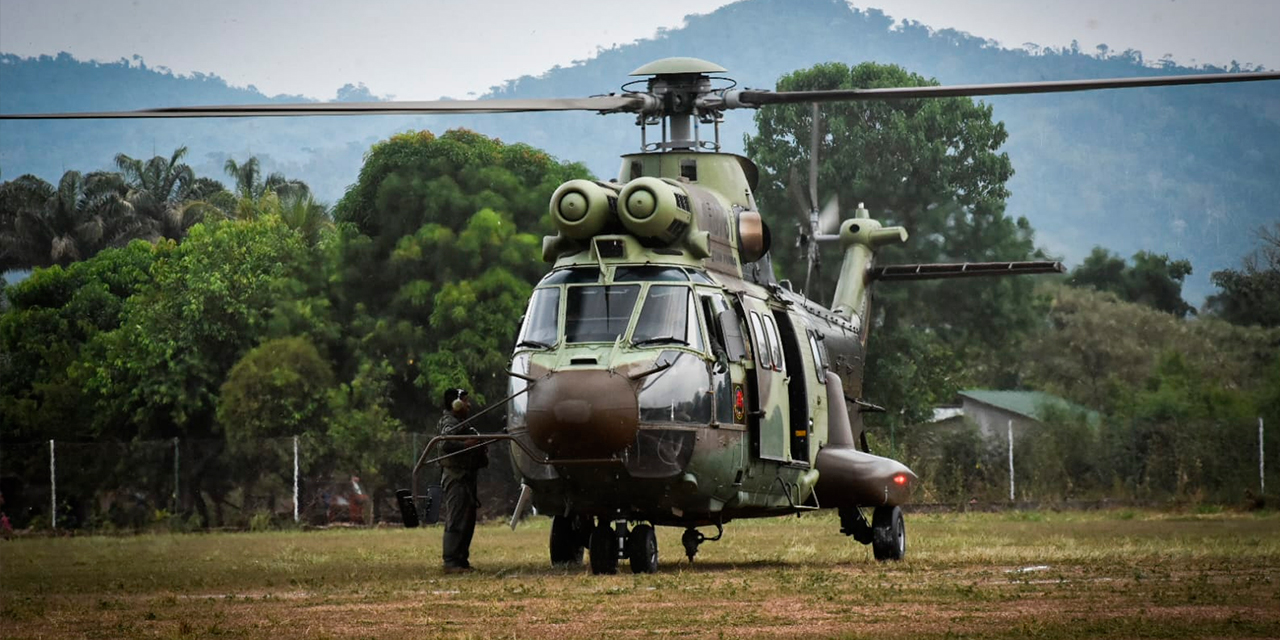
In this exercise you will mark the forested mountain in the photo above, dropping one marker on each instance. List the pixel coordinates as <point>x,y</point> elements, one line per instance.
<point>1189,172</point>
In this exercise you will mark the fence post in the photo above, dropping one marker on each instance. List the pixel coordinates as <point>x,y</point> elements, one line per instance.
<point>1262,469</point>
<point>1011,461</point>
<point>176,487</point>
<point>295,479</point>
<point>53,489</point>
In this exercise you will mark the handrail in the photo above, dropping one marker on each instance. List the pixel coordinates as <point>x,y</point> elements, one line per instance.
<point>490,438</point>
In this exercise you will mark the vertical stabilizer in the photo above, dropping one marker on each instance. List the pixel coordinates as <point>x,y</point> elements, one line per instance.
<point>861,237</point>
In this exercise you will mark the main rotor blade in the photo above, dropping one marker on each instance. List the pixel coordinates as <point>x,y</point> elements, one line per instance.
<point>751,98</point>
<point>603,104</point>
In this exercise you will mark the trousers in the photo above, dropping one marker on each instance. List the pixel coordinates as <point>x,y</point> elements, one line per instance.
<point>460,504</point>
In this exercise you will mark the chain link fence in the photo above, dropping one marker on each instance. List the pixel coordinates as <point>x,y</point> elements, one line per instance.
<point>186,484</point>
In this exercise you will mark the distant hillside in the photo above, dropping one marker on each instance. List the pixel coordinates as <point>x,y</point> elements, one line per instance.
<point>1187,171</point>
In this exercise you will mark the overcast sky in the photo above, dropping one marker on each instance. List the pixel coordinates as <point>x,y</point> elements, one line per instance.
<point>424,49</point>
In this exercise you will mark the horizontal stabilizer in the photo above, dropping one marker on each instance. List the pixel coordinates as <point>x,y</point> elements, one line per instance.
<point>938,271</point>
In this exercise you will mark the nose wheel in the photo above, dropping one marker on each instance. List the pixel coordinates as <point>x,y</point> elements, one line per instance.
<point>609,545</point>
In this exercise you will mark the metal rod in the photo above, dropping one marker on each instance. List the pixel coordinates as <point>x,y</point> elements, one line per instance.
<point>176,475</point>
<point>53,489</point>
<point>488,439</point>
<point>503,402</point>
<point>1011,461</point>
<point>1262,469</point>
<point>295,478</point>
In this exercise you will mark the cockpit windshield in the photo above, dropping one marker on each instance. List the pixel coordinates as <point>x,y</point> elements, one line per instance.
<point>598,313</point>
<point>540,322</point>
<point>668,317</point>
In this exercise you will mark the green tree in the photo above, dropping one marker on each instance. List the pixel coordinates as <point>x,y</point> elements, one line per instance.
<point>1153,280</point>
<point>934,167</point>
<point>1251,295</point>
<point>167,192</point>
<point>436,263</point>
<point>1095,348</point>
<point>42,225</point>
<point>212,299</point>
<point>277,389</point>
<point>250,184</point>
<point>52,315</point>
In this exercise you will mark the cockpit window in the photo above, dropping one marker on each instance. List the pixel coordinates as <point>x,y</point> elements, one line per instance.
<point>649,274</point>
<point>668,317</point>
<point>598,314</point>
<point>575,275</point>
<point>540,320</point>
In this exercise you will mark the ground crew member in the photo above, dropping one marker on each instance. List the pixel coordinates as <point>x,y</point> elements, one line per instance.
<point>459,478</point>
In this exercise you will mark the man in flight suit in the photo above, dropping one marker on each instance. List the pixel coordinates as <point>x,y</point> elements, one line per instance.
<point>459,478</point>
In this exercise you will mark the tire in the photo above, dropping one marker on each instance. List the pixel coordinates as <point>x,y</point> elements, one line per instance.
<point>604,550</point>
<point>642,549</point>
<point>888,534</point>
<point>566,542</point>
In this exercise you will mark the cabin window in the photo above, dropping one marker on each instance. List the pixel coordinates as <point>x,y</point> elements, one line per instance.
<point>541,320</point>
<point>598,314</point>
<point>819,358</point>
<point>668,317</point>
<point>764,355</point>
<point>775,346</point>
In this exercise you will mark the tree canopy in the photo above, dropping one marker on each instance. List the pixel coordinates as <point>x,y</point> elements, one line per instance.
<point>934,167</point>
<point>1152,280</point>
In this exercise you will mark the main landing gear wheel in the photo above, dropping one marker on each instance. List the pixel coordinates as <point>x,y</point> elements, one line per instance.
<point>642,549</point>
<point>889,534</point>
<point>604,549</point>
<point>568,534</point>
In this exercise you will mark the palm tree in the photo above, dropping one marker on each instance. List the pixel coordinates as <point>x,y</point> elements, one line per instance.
<point>250,185</point>
<point>303,214</point>
<point>167,192</point>
<point>41,225</point>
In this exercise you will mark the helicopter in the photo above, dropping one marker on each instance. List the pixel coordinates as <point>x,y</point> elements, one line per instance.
<point>662,375</point>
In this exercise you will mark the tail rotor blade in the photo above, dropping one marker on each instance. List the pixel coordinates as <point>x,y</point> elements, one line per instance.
<point>816,131</point>
<point>802,211</point>
<point>829,218</point>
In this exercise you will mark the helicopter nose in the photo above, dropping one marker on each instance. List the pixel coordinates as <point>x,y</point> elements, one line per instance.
<point>583,414</point>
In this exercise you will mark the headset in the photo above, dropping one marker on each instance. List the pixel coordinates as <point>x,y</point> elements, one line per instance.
<point>459,403</point>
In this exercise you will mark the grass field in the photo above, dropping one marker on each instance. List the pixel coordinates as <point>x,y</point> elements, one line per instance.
<point>1109,574</point>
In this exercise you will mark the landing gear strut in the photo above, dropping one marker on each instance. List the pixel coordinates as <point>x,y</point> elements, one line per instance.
<point>853,523</point>
<point>692,538</point>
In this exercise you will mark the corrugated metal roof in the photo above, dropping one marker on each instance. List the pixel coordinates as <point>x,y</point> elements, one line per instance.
<point>1025,403</point>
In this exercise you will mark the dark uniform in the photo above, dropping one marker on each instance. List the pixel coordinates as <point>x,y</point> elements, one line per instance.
<point>459,480</point>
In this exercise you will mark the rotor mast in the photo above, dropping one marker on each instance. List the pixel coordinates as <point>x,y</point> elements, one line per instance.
<point>678,86</point>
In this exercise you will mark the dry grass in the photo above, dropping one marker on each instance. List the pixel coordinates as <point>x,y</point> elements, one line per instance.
<point>1118,574</point>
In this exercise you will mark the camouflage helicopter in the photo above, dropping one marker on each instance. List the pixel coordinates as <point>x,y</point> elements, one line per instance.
<point>662,375</point>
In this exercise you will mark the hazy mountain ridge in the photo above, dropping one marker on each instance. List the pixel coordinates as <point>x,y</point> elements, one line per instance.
<point>1187,171</point>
